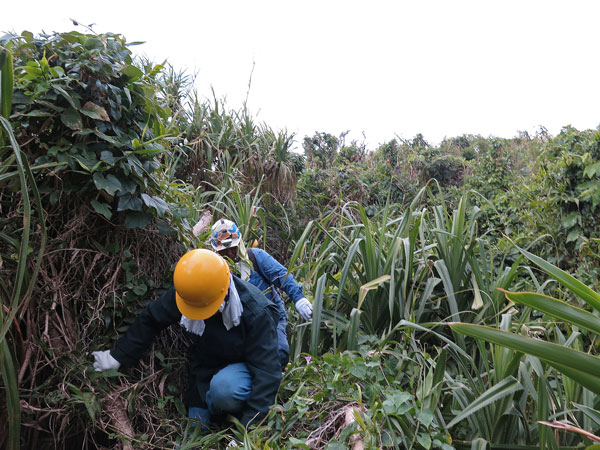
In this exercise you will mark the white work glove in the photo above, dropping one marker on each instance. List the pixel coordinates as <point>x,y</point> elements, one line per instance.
<point>304,307</point>
<point>105,361</point>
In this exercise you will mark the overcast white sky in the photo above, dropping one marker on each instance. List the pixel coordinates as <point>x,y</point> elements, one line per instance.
<point>382,68</point>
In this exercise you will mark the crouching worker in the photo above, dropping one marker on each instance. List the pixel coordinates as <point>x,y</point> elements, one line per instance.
<point>234,364</point>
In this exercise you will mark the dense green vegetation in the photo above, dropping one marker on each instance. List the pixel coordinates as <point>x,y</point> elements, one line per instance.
<point>454,286</point>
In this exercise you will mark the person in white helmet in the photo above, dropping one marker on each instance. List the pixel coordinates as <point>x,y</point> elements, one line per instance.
<point>266,273</point>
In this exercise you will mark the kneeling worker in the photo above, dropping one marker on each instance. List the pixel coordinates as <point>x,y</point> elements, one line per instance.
<point>234,365</point>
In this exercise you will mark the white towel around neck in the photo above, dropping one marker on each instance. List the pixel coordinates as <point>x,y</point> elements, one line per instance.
<point>231,309</point>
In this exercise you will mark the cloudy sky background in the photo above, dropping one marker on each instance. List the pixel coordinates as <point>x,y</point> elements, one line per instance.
<point>378,69</point>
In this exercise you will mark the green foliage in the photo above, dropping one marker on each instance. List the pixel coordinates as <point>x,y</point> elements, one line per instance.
<point>572,174</point>
<point>565,355</point>
<point>81,101</point>
<point>388,408</point>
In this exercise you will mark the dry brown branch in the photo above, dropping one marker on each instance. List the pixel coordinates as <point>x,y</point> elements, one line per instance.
<point>332,428</point>
<point>116,408</point>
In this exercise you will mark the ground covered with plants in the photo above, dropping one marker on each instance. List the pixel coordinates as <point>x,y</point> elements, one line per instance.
<point>455,286</point>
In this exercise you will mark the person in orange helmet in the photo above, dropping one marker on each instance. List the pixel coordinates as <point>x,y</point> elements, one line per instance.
<point>234,365</point>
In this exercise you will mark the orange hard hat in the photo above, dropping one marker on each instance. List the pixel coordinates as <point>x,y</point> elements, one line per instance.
<point>201,281</point>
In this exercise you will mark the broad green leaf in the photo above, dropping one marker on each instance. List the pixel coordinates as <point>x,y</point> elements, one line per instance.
<point>592,170</point>
<point>137,220</point>
<point>94,111</point>
<point>37,113</point>
<point>571,220</point>
<point>110,183</point>
<point>86,160</point>
<point>573,235</point>
<point>424,440</point>
<point>108,157</point>
<point>556,308</point>
<point>164,228</point>
<point>73,101</point>
<point>107,138</point>
<point>71,119</point>
<point>102,208</point>
<point>425,417</point>
<point>128,186</point>
<point>157,203</point>
<point>132,72</point>
<point>592,383</point>
<point>127,202</point>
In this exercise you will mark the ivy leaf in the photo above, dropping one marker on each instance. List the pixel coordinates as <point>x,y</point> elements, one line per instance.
<point>164,228</point>
<point>72,119</point>
<point>110,184</point>
<point>128,186</point>
<point>87,161</point>
<point>132,72</point>
<point>94,111</point>
<point>108,157</point>
<point>73,101</point>
<point>127,202</point>
<point>137,219</point>
<point>139,289</point>
<point>102,208</point>
<point>37,113</point>
<point>573,235</point>
<point>425,417</point>
<point>157,203</point>
<point>592,170</point>
<point>107,138</point>
<point>424,440</point>
<point>571,220</point>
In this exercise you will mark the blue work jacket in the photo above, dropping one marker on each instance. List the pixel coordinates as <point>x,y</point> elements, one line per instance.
<point>271,275</point>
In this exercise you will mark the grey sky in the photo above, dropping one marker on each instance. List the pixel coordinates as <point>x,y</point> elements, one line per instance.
<point>385,68</point>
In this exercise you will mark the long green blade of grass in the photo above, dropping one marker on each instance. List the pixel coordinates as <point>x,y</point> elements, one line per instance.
<point>24,244</point>
<point>593,414</point>
<point>580,366</point>
<point>556,308</point>
<point>9,377</point>
<point>354,329</point>
<point>568,281</point>
<point>506,387</point>
<point>317,314</point>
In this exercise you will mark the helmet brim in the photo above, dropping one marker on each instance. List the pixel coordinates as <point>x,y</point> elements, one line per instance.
<point>221,247</point>
<point>199,312</point>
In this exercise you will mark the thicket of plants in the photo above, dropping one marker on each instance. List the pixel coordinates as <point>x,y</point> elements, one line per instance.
<point>446,309</point>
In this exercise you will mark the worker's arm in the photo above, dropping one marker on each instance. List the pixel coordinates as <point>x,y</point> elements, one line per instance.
<point>262,360</point>
<point>157,316</point>
<point>278,275</point>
